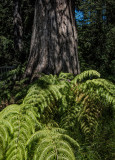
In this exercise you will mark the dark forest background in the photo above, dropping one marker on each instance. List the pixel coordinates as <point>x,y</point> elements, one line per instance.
<point>96,30</point>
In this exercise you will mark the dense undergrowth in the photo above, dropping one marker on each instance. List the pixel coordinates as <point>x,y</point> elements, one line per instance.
<point>60,118</point>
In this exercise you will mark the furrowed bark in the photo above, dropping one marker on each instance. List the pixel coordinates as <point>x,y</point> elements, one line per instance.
<point>18,28</point>
<point>54,39</point>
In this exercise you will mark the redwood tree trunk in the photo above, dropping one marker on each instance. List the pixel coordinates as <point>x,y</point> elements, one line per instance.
<point>54,39</point>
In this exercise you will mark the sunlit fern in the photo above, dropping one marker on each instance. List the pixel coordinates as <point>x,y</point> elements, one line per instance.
<point>45,94</point>
<point>52,143</point>
<point>95,101</point>
<point>93,98</point>
<point>77,106</point>
<point>22,121</point>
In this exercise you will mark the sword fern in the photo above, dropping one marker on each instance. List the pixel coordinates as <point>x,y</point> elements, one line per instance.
<point>61,117</point>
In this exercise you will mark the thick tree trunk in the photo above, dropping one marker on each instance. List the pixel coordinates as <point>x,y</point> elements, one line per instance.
<point>18,28</point>
<point>54,39</point>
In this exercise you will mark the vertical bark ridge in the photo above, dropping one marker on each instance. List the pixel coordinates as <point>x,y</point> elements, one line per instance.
<point>18,27</point>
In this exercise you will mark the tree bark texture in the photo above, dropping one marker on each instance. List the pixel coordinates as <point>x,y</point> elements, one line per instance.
<point>18,28</point>
<point>54,39</point>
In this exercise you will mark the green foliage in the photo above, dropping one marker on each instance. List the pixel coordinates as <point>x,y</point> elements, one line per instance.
<point>52,143</point>
<point>8,54</point>
<point>61,117</point>
<point>86,75</point>
<point>6,33</point>
<point>11,86</point>
<point>96,36</point>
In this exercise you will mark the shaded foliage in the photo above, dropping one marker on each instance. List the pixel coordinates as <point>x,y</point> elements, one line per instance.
<point>61,117</point>
<point>8,54</point>
<point>96,36</point>
<point>11,87</point>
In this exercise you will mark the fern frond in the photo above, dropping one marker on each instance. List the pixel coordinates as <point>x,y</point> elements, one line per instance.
<point>90,74</point>
<point>45,100</point>
<point>9,110</point>
<point>48,80</point>
<point>52,143</point>
<point>82,108</point>
<point>65,76</point>
<point>22,121</point>
<point>95,96</point>
<point>6,131</point>
<point>3,136</point>
<point>109,86</point>
<point>98,88</point>
<point>7,125</point>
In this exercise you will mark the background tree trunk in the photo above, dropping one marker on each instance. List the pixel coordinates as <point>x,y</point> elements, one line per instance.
<point>54,39</point>
<point>18,28</point>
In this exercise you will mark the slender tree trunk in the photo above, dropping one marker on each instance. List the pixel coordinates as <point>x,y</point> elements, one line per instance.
<point>18,28</point>
<point>54,39</point>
